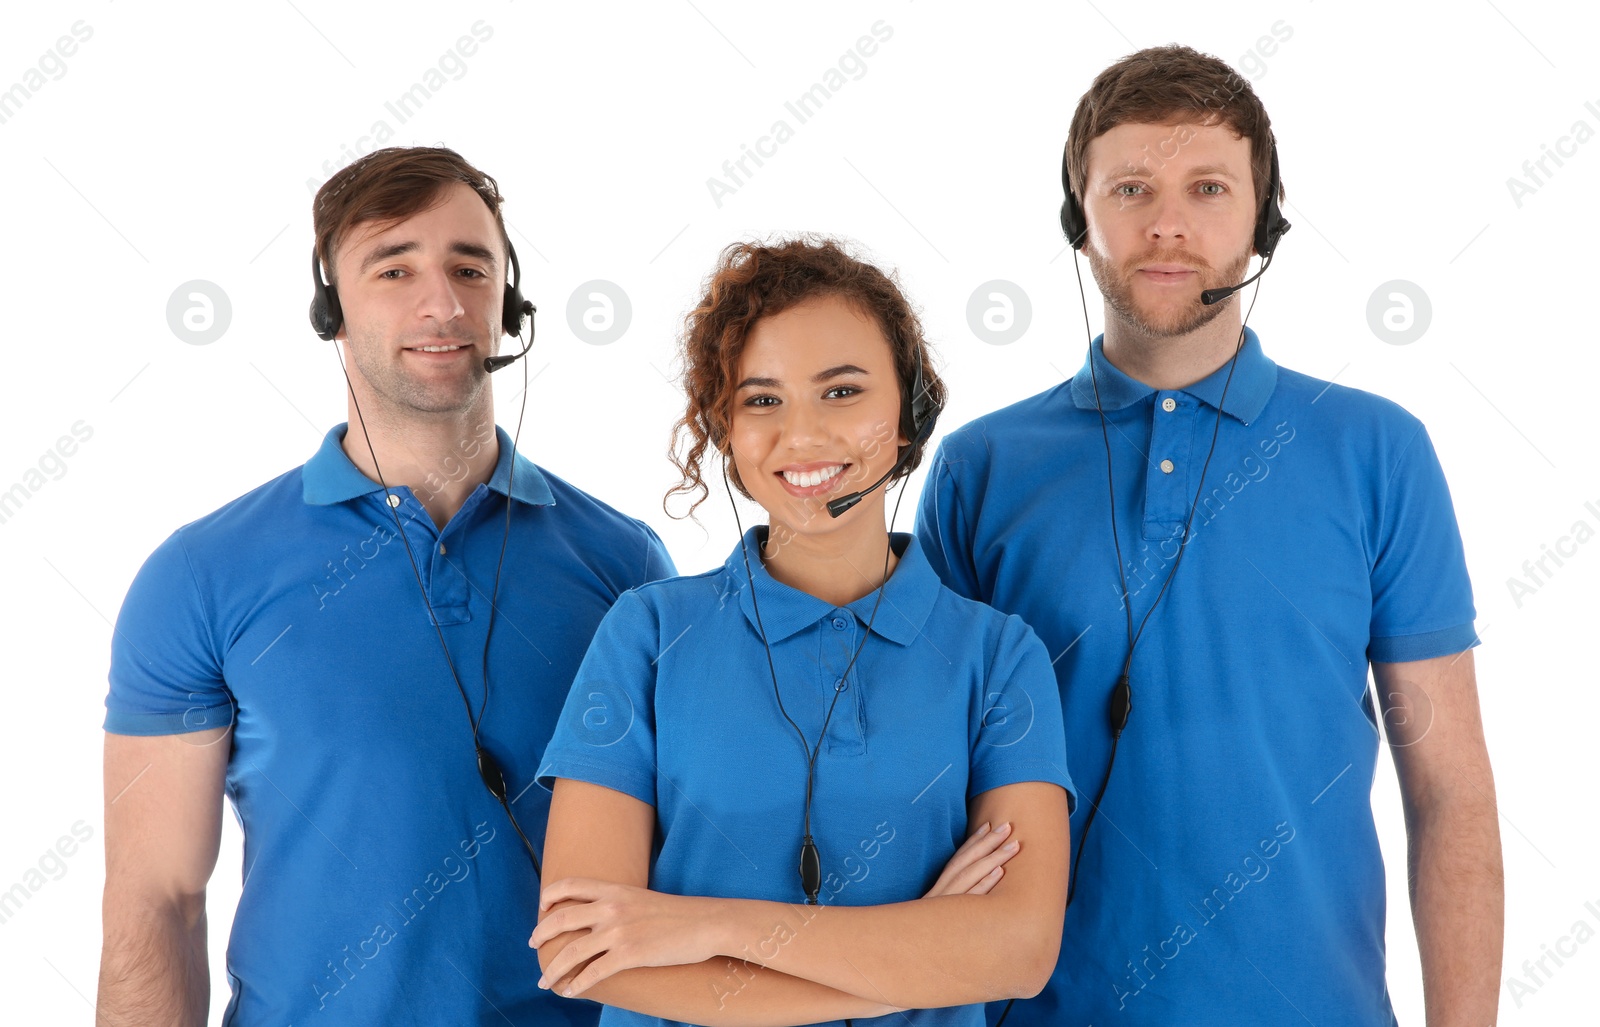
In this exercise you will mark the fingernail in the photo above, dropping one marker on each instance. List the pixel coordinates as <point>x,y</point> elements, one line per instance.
<point>543,983</point>
<point>1003,828</point>
<point>984,829</point>
<point>1009,847</point>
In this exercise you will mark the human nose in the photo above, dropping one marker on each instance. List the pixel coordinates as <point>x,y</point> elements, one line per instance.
<point>804,426</point>
<point>1168,218</point>
<point>439,298</point>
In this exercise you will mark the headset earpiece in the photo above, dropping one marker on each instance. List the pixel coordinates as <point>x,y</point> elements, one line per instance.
<point>326,315</point>
<point>1074,225</point>
<point>1270,225</point>
<point>919,404</point>
<point>514,308</point>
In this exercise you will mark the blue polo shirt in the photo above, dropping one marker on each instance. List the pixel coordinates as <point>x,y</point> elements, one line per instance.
<point>1232,875</point>
<point>382,883</point>
<point>674,706</point>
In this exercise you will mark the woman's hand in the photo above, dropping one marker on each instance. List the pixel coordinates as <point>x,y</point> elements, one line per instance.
<point>626,927</point>
<point>978,865</point>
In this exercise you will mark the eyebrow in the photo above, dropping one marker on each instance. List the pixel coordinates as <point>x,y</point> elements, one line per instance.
<point>1135,171</point>
<point>754,382</point>
<point>464,249</point>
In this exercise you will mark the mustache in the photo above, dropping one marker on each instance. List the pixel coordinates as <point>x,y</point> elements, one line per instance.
<point>1187,259</point>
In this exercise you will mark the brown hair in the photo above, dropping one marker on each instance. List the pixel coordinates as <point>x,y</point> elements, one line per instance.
<point>390,185</point>
<point>1164,84</point>
<point>755,280</point>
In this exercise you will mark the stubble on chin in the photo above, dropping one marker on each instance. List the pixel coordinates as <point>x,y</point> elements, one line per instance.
<point>401,390</point>
<point>1116,287</point>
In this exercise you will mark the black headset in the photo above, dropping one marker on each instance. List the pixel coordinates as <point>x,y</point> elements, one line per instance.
<point>1270,227</point>
<point>326,318</point>
<point>327,315</point>
<point>918,414</point>
<point>1270,223</point>
<point>918,406</point>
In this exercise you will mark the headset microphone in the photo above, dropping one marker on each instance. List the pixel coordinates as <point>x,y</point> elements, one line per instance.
<point>837,507</point>
<point>1211,296</point>
<point>493,364</point>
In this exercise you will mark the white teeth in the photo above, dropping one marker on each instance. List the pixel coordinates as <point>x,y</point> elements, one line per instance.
<point>806,479</point>
<point>438,349</point>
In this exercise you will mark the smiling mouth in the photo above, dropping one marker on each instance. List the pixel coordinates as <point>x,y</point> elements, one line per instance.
<point>811,479</point>
<point>434,349</point>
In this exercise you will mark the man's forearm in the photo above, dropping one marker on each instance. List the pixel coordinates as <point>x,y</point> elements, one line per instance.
<point>1458,906</point>
<point>153,967</point>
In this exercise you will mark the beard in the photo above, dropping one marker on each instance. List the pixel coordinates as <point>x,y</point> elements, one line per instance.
<point>402,389</point>
<point>1177,316</point>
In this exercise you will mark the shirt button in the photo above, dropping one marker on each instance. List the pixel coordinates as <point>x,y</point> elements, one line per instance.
<point>839,623</point>
<point>1169,404</point>
<point>1166,467</point>
<point>394,500</point>
<point>441,549</point>
<point>838,685</point>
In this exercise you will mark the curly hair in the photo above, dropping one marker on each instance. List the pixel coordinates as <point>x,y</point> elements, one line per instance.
<point>755,280</point>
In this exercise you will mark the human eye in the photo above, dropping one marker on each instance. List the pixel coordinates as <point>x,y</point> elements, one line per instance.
<point>1212,188</point>
<point>472,272</point>
<point>842,392</point>
<point>390,271</point>
<point>761,399</point>
<point>1118,189</point>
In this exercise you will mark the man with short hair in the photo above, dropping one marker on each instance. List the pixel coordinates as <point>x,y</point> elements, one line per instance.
<point>323,649</point>
<point>1214,549</point>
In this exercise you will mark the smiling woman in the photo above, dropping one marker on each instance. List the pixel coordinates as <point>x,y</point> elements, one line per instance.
<point>819,701</point>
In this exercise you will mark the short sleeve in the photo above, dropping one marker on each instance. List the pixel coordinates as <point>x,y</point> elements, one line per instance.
<point>1017,730</point>
<point>1421,595</point>
<point>942,528</point>
<point>606,732</point>
<point>166,672</point>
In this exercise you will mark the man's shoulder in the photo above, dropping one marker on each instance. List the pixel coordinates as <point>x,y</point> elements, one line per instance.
<point>1041,413</point>
<point>245,515</point>
<point>587,512</point>
<point>1354,408</point>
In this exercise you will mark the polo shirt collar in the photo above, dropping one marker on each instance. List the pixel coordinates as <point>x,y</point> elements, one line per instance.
<point>908,597</point>
<point>1253,381</point>
<point>329,476</point>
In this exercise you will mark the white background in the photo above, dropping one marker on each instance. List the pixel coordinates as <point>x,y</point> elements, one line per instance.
<point>179,145</point>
